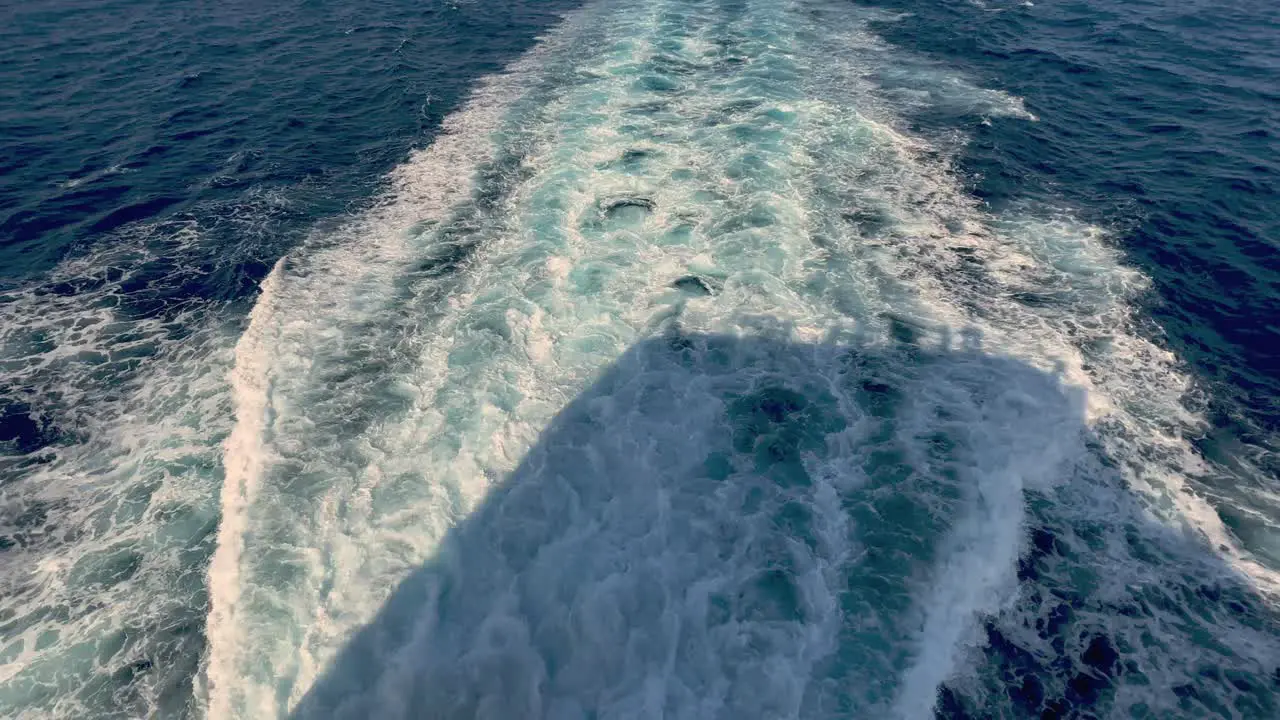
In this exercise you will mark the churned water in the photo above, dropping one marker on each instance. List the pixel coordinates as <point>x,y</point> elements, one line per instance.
<point>621,359</point>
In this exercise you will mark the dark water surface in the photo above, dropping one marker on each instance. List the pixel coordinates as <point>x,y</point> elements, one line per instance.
<point>240,118</point>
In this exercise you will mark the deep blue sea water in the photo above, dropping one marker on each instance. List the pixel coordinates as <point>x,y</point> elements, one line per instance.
<point>606,358</point>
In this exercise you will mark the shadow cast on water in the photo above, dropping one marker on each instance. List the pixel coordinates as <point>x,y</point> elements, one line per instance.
<point>733,527</point>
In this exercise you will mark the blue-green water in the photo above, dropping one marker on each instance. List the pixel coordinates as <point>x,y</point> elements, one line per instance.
<point>687,358</point>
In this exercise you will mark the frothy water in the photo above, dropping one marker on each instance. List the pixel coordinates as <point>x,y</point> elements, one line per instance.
<point>722,170</point>
<point>677,377</point>
<point>109,499</point>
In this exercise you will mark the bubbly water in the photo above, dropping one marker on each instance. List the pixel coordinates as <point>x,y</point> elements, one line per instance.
<point>679,376</point>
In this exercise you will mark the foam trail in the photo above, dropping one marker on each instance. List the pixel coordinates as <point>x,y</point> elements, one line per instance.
<point>662,412</point>
<point>372,252</point>
<point>639,389</point>
<point>977,572</point>
<point>242,470</point>
<point>593,115</point>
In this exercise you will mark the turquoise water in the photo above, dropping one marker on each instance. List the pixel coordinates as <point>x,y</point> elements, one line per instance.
<point>682,366</point>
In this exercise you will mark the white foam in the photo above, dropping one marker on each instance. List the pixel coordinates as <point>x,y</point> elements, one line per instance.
<point>105,516</point>
<point>243,460</point>
<point>976,576</point>
<point>321,520</point>
<point>352,272</point>
<point>790,182</point>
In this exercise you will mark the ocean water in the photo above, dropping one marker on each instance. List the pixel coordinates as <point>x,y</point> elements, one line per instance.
<point>619,359</point>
